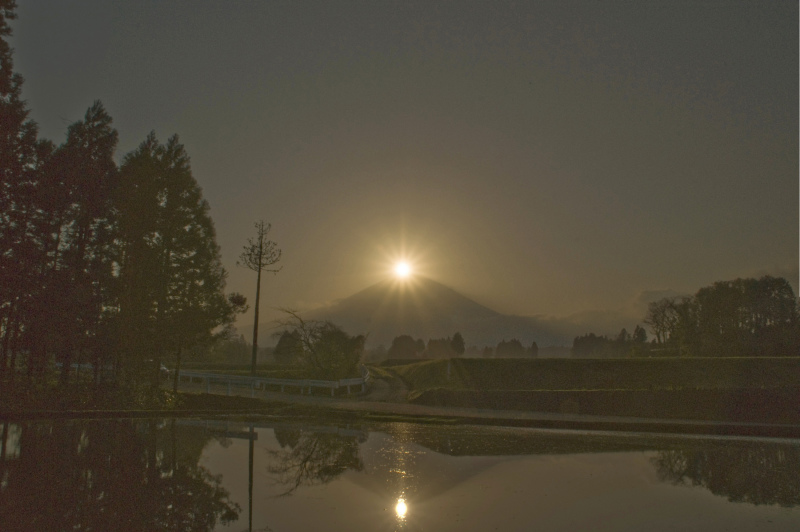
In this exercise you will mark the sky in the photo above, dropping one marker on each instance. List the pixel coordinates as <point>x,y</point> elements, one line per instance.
<point>543,158</point>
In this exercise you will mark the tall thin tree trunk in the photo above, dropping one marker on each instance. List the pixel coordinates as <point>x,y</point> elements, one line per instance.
<point>177,370</point>
<point>8,319</point>
<point>255,317</point>
<point>250,483</point>
<point>4,444</point>
<point>12,364</point>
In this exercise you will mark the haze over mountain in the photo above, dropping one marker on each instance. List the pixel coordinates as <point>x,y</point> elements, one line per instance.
<point>424,308</point>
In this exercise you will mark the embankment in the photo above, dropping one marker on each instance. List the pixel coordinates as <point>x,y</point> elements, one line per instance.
<point>724,389</point>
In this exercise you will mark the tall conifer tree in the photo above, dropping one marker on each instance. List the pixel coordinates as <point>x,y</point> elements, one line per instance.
<point>172,279</point>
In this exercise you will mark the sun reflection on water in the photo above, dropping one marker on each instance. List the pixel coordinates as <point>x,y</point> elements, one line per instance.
<point>401,508</point>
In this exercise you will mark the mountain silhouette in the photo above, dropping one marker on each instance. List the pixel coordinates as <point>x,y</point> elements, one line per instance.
<point>424,308</point>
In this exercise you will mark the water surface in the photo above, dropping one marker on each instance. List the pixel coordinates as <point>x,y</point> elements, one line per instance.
<point>278,475</point>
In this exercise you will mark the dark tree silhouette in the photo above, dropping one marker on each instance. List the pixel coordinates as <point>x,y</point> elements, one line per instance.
<point>288,347</point>
<point>21,220</point>
<point>743,317</point>
<point>258,254</point>
<point>420,346</point>
<point>510,348</point>
<point>172,277</point>
<point>404,346</point>
<point>439,348</point>
<point>112,475</point>
<point>309,458</point>
<point>661,317</point>
<point>84,169</point>
<point>533,350</point>
<point>756,474</point>
<point>325,347</point>
<point>457,344</point>
<point>591,345</point>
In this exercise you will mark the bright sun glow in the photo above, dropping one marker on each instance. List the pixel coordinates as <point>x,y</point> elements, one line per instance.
<point>402,269</point>
<point>401,508</point>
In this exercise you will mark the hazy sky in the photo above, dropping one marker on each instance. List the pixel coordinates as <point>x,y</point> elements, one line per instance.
<point>540,157</point>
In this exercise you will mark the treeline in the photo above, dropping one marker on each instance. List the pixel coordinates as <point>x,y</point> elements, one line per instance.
<point>511,349</point>
<point>112,265</point>
<point>405,346</point>
<point>623,345</point>
<point>739,318</point>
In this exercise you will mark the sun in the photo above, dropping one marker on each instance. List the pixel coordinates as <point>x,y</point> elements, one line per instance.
<point>402,269</point>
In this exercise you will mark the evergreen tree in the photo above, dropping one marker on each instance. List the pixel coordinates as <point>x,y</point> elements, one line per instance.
<point>171,276</point>
<point>80,252</point>
<point>639,335</point>
<point>457,344</point>
<point>510,348</point>
<point>20,161</point>
<point>533,350</point>
<point>289,348</point>
<point>404,346</point>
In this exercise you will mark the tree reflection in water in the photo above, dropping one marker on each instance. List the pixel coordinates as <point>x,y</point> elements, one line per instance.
<point>307,458</point>
<point>111,475</point>
<point>756,474</point>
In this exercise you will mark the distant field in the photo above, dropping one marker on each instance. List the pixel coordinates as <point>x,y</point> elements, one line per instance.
<point>603,374</point>
<point>750,405</point>
<point>730,389</point>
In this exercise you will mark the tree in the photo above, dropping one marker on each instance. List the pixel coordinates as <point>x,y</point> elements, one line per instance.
<point>510,348</point>
<point>591,345</point>
<point>747,317</point>
<point>309,458</point>
<point>257,255</point>
<point>439,348</point>
<point>171,276</point>
<point>661,317</point>
<point>420,346</point>
<point>457,344</point>
<point>84,173</point>
<point>288,347</point>
<point>743,317</point>
<point>533,350</point>
<point>325,347</point>
<point>639,335</point>
<point>403,346</point>
<point>21,158</point>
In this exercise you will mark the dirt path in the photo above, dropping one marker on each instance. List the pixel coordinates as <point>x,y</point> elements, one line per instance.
<point>390,389</point>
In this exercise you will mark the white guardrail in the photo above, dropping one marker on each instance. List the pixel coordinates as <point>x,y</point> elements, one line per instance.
<point>266,384</point>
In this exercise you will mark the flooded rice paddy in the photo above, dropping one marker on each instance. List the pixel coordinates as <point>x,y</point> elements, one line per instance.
<point>280,475</point>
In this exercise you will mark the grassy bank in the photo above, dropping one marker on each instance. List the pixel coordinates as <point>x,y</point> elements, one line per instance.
<point>720,389</point>
<point>746,405</point>
<point>602,374</point>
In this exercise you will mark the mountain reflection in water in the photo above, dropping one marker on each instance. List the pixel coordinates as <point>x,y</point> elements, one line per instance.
<point>190,474</point>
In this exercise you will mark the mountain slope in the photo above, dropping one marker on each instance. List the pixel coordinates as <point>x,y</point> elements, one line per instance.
<point>427,309</point>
